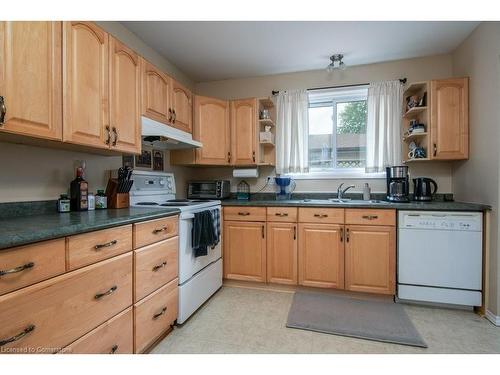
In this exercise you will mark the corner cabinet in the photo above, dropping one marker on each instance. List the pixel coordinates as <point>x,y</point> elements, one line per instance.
<point>245,250</point>
<point>124,97</point>
<point>86,85</point>
<point>31,78</point>
<point>443,109</point>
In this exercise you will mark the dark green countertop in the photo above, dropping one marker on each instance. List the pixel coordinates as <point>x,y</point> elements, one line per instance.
<point>25,229</point>
<point>420,206</point>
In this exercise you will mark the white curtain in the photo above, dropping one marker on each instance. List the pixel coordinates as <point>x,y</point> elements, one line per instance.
<point>383,128</point>
<point>292,132</point>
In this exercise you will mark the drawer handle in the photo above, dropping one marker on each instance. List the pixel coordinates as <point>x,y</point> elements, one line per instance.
<point>107,244</point>
<point>113,350</point>
<point>370,217</point>
<point>347,235</point>
<point>281,214</point>
<point>107,293</point>
<point>164,229</point>
<point>159,266</point>
<point>157,315</point>
<point>19,336</point>
<point>243,213</point>
<point>320,215</point>
<point>24,267</point>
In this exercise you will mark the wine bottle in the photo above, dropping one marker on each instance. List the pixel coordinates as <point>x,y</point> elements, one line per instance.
<point>79,192</point>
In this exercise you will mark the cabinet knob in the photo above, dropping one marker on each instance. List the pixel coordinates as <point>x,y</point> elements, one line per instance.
<point>26,266</point>
<point>19,336</point>
<point>108,140</point>
<point>115,132</point>
<point>106,293</point>
<point>435,149</point>
<point>320,215</point>
<point>370,217</point>
<point>157,315</point>
<point>107,244</point>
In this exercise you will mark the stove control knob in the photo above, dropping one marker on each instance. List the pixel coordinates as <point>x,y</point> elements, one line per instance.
<point>162,182</point>
<point>169,184</point>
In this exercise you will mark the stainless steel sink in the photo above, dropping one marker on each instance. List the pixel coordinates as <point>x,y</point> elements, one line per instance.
<point>343,200</point>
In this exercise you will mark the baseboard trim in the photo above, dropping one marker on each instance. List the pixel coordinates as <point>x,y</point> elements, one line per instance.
<point>495,319</point>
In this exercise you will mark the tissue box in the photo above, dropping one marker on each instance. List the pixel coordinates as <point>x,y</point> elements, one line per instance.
<point>266,137</point>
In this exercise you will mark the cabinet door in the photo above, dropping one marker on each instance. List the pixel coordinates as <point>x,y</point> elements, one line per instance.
<point>124,97</point>
<point>321,255</point>
<point>85,84</point>
<point>243,131</point>
<point>245,251</point>
<point>211,128</point>
<point>182,106</point>
<point>450,119</point>
<point>31,79</point>
<point>282,253</point>
<point>370,259</point>
<point>156,87</point>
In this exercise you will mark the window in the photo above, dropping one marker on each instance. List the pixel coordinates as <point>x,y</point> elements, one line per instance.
<point>337,130</point>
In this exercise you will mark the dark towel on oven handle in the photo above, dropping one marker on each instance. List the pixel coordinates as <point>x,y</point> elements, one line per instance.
<point>204,233</point>
<point>216,218</point>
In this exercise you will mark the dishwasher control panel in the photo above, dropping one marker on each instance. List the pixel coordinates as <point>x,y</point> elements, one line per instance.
<point>440,220</point>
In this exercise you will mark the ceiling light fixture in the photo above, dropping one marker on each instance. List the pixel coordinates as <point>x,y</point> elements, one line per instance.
<point>336,63</point>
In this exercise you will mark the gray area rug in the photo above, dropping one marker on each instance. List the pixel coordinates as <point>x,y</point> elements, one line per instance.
<point>369,319</point>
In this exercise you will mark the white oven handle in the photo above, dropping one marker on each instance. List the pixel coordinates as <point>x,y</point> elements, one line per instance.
<point>187,217</point>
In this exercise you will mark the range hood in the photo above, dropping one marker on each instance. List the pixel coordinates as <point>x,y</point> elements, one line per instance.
<point>165,137</point>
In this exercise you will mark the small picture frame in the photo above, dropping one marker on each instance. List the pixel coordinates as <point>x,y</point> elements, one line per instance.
<point>158,164</point>
<point>145,159</point>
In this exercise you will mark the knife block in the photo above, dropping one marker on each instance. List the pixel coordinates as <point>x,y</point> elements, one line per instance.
<point>116,200</point>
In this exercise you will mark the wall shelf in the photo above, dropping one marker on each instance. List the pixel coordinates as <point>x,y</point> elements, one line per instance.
<point>414,136</point>
<point>414,111</point>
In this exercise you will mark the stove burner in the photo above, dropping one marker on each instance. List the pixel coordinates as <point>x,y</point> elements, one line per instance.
<point>179,200</point>
<point>175,204</point>
<point>147,204</point>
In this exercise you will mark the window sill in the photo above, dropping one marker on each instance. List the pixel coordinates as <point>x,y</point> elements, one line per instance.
<point>337,175</point>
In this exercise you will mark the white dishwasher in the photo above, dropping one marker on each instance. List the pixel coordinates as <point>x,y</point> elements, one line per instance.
<point>440,257</point>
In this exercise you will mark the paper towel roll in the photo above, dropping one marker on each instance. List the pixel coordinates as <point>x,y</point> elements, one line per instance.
<point>247,172</point>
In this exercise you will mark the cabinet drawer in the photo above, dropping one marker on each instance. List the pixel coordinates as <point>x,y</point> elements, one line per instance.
<point>321,215</point>
<point>154,315</point>
<point>153,231</point>
<point>155,265</point>
<point>116,336</point>
<point>88,248</point>
<point>26,265</point>
<point>282,214</point>
<point>370,216</point>
<point>244,213</point>
<point>52,314</point>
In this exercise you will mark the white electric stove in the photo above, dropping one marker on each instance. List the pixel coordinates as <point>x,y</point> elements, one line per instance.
<point>201,277</point>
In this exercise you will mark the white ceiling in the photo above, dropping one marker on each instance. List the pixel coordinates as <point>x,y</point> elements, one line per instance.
<point>209,51</point>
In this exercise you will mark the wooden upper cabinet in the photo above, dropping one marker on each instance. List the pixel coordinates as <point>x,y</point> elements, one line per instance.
<point>85,84</point>
<point>156,87</point>
<point>282,253</point>
<point>243,131</point>
<point>450,119</point>
<point>245,251</point>
<point>30,78</point>
<point>124,97</point>
<point>211,128</point>
<point>182,107</point>
<point>370,259</point>
<point>321,255</point>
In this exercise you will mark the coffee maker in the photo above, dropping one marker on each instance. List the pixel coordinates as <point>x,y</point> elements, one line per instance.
<point>398,184</point>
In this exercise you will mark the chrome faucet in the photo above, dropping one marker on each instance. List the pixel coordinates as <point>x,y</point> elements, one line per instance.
<point>340,192</point>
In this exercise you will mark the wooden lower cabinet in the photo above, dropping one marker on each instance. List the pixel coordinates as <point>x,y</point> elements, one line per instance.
<point>282,253</point>
<point>45,317</point>
<point>370,259</point>
<point>116,336</point>
<point>245,250</point>
<point>321,255</point>
<point>154,315</point>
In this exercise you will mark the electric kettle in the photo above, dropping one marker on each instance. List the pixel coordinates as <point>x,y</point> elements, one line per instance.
<point>424,188</point>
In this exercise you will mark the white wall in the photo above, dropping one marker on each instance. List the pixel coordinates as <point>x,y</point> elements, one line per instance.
<point>419,69</point>
<point>476,180</point>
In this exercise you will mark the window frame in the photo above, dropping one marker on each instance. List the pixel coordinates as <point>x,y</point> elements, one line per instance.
<point>338,173</point>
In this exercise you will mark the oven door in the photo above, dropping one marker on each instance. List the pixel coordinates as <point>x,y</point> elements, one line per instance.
<point>189,265</point>
<point>203,190</point>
